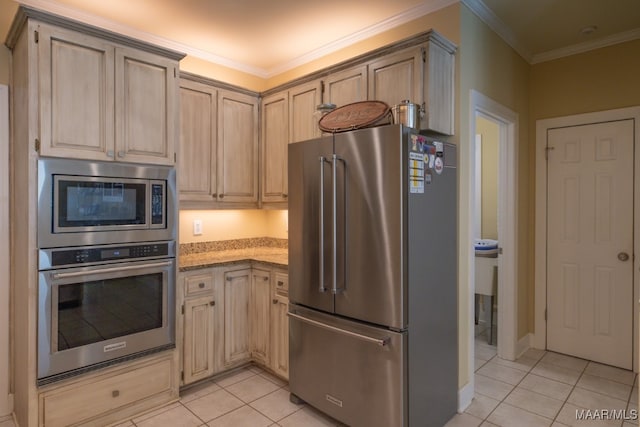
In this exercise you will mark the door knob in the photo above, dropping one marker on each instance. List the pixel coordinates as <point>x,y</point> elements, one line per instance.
<point>623,256</point>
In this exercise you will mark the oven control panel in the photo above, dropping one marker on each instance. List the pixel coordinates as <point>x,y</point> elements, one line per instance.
<point>102,254</point>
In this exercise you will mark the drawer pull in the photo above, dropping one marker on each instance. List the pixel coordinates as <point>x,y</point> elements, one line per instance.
<point>201,285</point>
<point>115,393</point>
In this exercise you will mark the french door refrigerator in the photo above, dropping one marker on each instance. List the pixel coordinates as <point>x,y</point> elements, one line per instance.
<point>373,277</point>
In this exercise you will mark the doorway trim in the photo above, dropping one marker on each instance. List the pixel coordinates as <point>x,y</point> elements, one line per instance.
<point>542,129</point>
<point>507,121</point>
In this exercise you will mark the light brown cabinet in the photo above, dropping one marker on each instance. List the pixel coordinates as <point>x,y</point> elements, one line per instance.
<point>102,399</point>
<point>287,116</point>
<point>279,334</point>
<point>218,164</point>
<point>102,101</point>
<point>201,326</point>
<point>346,87</point>
<point>396,77</point>
<point>275,138</point>
<point>197,174</point>
<point>237,294</point>
<point>260,316</point>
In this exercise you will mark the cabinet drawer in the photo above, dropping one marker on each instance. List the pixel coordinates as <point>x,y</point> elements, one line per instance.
<point>281,283</point>
<point>194,285</point>
<point>79,402</point>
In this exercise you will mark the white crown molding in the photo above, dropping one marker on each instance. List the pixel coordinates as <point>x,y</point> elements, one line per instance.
<point>53,7</point>
<point>56,8</point>
<point>425,8</point>
<point>498,26</point>
<point>586,46</point>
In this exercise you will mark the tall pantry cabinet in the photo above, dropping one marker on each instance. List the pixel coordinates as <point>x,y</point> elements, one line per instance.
<point>81,92</point>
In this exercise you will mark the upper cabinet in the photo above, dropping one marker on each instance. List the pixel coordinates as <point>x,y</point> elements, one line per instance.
<point>274,141</point>
<point>101,100</point>
<point>396,77</point>
<point>303,100</point>
<point>218,162</point>
<point>346,87</point>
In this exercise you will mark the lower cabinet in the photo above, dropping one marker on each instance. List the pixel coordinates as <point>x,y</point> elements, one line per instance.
<point>232,315</point>
<point>280,325</point>
<point>260,317</point>
<point>237,291</point>
<point>113,395</point>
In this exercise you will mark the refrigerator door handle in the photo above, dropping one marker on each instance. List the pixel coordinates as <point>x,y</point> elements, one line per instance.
<point>381,342</point>
<point>334,221</point>
<point>321,226</point>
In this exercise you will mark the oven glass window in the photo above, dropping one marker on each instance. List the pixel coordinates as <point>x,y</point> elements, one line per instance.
<point>100,203</point>
<point>99,310</point>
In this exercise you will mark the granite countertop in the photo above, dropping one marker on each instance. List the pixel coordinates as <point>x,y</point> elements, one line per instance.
<point>232,252</point>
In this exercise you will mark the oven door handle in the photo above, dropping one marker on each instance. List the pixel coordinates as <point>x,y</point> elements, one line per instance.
<point>110,270</point>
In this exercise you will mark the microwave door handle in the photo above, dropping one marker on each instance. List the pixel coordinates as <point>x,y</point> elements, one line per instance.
<point>109,270</point>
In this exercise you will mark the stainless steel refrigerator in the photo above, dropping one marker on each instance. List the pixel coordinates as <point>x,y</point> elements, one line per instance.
<point>373,277</point>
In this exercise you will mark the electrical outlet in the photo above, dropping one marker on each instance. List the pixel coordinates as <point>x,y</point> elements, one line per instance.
<point>197,227</point>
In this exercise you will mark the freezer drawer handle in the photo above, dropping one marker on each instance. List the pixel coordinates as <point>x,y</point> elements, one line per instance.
<point>109,270</point>
<point>381,342</point>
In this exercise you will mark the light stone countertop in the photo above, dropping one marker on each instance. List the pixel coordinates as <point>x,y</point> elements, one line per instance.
<point>277,257</point>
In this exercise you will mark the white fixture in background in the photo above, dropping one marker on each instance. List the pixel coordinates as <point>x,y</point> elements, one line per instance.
<point>197,227</point>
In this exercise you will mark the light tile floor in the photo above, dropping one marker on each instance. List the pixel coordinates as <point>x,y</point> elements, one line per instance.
<point>539,389</point>
<point>545,389</point>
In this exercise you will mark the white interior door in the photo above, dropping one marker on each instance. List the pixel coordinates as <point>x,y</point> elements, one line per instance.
<point>590,242</point>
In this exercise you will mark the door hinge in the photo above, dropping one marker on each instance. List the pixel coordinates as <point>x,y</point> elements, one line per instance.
<point>182,375</point>
<point>175,158</point>
<point>182,309</point>
<point>545,314</point>
<point>37,145</point>
<point>36,36</point>
<point>424,54</point>
<point>175,73</point>
<point>321,91</point>
<point>546,152</point>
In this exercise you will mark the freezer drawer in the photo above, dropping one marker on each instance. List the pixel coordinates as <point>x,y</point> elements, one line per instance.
<point>352,372</point>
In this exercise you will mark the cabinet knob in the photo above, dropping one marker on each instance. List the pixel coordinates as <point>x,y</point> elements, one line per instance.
<point>221,196</point>
<point>212,303</point>
<point>280,283</point>
<point>265,278</point>
<point>115,393</point>
<point>229,279</point>
<point>275,301</point>
<point>285,195</point>
<point>201,285</point>
<point>121,153</point>
<point>110,153</point>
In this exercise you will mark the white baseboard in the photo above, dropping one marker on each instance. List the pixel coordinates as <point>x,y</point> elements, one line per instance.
<point>465,396</point>
<point>524,344</point>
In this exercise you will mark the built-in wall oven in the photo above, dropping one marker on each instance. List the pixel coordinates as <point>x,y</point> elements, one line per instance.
<point>107,264</point>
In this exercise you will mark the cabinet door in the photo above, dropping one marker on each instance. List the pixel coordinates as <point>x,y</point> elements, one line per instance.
<point>146,107</point>
<point>439,88</point>
<point>275,138</point>
<point>260,316</point>
<point>303,101</point>
<point>76,95</point>
<point>237,291</point>
<point>346,87</point>
<point>237,147</point>
<point>197,168</point>
<point>199,338</point>
<point>280,327</point>
<point>397,77</point>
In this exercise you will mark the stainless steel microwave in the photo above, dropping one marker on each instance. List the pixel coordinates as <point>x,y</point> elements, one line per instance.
<point>90,203</point>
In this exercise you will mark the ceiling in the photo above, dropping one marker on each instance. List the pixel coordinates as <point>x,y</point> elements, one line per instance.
<point>264,41</point>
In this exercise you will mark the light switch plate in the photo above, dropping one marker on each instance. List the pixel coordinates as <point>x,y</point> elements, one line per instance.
<point>197,227</point>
